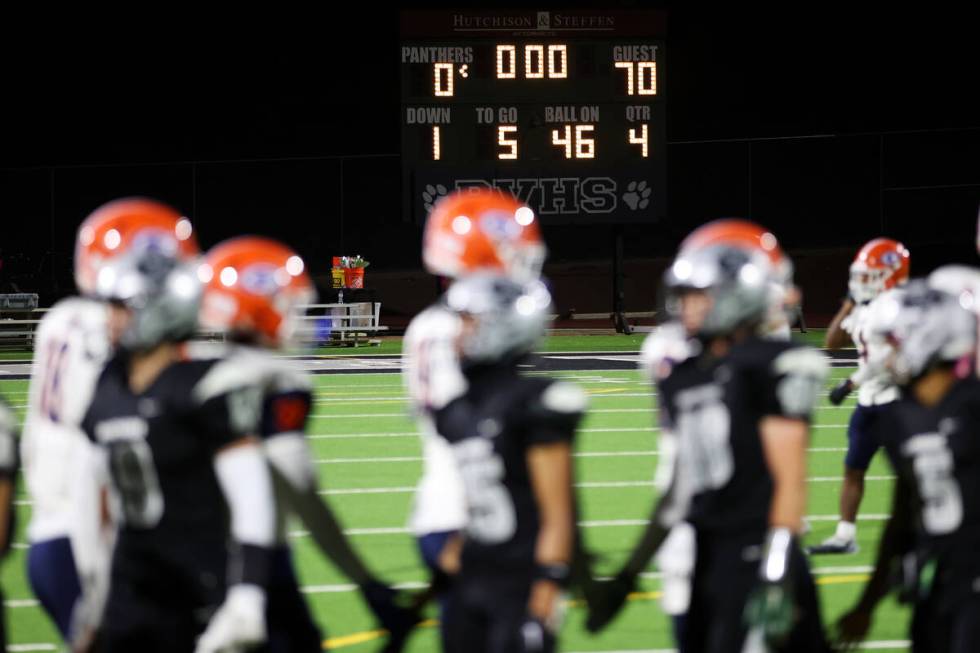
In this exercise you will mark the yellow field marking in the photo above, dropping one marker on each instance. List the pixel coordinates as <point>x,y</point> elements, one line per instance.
<point>605,391</point>
<point>369,635</point>
<point>840,580</point>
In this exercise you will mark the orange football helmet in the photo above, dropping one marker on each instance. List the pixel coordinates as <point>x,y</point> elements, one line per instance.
<point>742,234</point>
<point>881,264</point>
<point>126,227</point>
<point>742,269</point>
<point>483,229</point>
<point>254,286</point>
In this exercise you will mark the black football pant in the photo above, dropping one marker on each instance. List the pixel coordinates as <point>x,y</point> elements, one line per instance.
<point>726,571</point>
<point>289,622</point>
<point>940,626</point>
<point>487,614</point>
<point>135,620</point>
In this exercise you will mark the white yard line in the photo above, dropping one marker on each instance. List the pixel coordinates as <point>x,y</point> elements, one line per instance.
<point>884,645</point>
<point>585,485</point>
<point>894,645</point>
<point>599,523</point>
<point>579,454</point>
<point>331,398</point>
<point>415,434</point>
<point>621,429</point>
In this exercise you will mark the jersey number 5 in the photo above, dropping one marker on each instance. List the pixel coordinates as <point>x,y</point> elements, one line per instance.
<point>492,518</point>
<point>942,502</point>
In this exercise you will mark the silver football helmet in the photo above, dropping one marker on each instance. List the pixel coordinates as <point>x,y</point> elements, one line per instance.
<point>924,326</point>
<point>163,293</point>
<point>737,279</point>
<point>504,319</point>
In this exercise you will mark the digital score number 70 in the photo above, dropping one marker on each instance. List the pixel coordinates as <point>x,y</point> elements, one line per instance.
<point>575,141</point>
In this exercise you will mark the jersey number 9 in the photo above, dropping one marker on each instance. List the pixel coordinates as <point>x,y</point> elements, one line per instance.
<point>131,464</point>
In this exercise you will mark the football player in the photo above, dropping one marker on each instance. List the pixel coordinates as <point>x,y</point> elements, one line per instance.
<point>191,487</point>
<point>738,406</point>
<point>468,231</point>
<point>70,541</point>
<point>933,533</point>
<point>8,472</point>
<point>511,436</point>
<point>960,281</point>
<point>667,346</point>
<point>880,264</point>
<point>255,292</point>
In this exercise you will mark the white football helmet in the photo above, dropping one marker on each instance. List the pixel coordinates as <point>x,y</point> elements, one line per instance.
<point>924,326</point>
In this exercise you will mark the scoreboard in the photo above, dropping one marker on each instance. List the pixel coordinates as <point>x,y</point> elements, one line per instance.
<point>565,109</point>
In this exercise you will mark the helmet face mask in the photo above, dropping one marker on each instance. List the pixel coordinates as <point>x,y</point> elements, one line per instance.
<point>922,327</point>
<point>167,313</point>
<point>734,281</point>
<point>140,254</point>
<point>865,283</point>
<point>502,320</point>
<point>882,263</point>
<point>256,291</point>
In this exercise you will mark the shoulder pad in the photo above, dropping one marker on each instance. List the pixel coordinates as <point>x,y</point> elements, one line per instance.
<point>802,372</point>
<point>8,421</point>
<point>8,442</point>
<point>804,360</point>
<point>663,349</point>
<point>956,280</point>
<point>226,375</point>
<point>564,397</point>
<point>435,322</point>
<point>197,350</point>
<point>76,311</point>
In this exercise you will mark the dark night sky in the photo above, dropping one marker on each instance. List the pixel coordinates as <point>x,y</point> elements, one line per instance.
<point>186,86</point>
<point>298,85</point>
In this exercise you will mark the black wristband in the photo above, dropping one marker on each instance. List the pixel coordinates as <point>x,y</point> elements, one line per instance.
<point>556,572</point>
<point>249,564</point>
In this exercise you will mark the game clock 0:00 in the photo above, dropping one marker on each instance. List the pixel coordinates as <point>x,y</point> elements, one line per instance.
<point>565,110</point>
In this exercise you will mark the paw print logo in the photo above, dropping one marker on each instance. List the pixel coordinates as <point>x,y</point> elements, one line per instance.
<point>431,194</point>
<point>637,195</point>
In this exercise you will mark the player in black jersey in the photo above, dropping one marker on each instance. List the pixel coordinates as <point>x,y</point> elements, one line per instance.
<point>512,438</point>
<point>739,408</point>
<point>930,436</point>
<point>255,293</point>
<point>8,472</point>
<point>191,487</point>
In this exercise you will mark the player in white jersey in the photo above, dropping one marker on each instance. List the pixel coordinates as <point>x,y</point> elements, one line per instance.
<point>667,346</point>
<point>964,282</point>
<point>468,231</point>
<point>8,481</point>
<point>70,546</point>
<point>255,290</point>
<point>881,264</point>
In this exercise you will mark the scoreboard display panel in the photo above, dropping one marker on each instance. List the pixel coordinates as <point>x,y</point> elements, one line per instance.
<point>565,109</point>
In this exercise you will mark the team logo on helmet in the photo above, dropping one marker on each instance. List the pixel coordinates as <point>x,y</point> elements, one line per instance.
<point>500,225</point>
<point>260,279</point>
<point>890,258</point>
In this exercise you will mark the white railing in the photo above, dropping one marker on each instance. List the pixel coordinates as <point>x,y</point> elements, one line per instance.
<point>349,323</point>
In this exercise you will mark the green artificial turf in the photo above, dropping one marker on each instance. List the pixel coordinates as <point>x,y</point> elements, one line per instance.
<point>362,420</point>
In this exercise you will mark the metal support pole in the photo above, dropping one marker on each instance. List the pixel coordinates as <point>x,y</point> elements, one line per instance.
<point>619,292</point>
